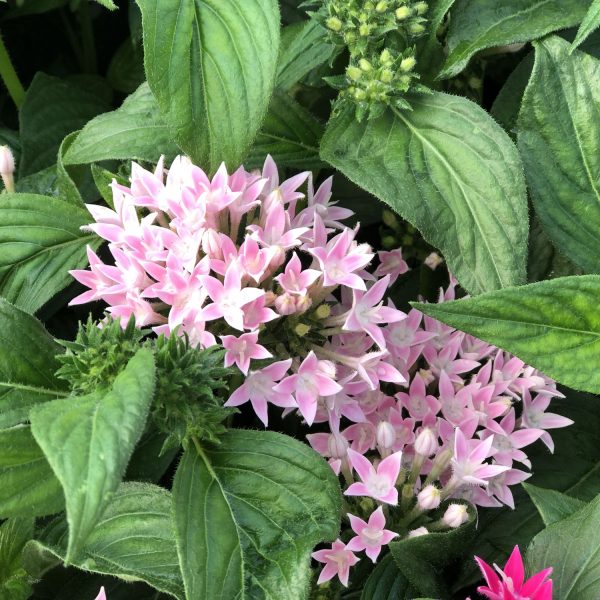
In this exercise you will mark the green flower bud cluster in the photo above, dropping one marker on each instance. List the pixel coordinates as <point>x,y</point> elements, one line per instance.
<point>186,401</point>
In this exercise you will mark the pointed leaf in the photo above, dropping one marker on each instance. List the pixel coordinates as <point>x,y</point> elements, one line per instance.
<point>14,582</point>
<point>88,441</point>
<point>552,505</point>
<point>590,23</point>
<point>386,582</point>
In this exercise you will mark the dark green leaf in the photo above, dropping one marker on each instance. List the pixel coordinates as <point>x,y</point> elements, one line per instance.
<point>89,441</point>
<point>34,8</point>
<point>27,365</point>
<point>289,133</point>
<point>553,506</point>
<point>133,540</point>
<point>590,23</point>
<point>476,25</point>
<point>260,502</point>
<point>52,109</point>
<point>126,70</point>
<point>147,464</point>
<point>211,65</point>
<point>552,325</point>
<point>28,486</point>
<point>386,582</point>
<point>14,534</point>
<point>559,139</point>
<point>134,131</point>
<point>40,240</point>
<point>451,171</point>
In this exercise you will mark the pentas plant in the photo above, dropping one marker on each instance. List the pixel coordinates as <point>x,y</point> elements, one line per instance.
<point>415,416</point>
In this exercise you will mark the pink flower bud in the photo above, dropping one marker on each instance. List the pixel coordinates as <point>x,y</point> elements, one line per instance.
<point>386,435</point>
<point>211,244</point>
<point>303,303</point>
<point>7,161</point>
<point>419,531</point>
<point>427,376</point>
<point>285,304</point>
<point>270,298</point>
<point>426,443</point>
<point>455,515</point>
<point>337,445</point>
<point>429,498</point>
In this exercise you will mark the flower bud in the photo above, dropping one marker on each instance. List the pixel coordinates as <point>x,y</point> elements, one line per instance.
<point>419,531</point>
<point>386,76</point>
<point>386,435</point>
<point>270,298</point>
<point>403,13</point>
<point>381,6</point>
<point>337,445</point>
<point>416,28</point>
<point>301,329</point>
<point>303,303</point>
<point>285,304</point>
<point>212,245</point>
<point>433,261</point>
<point>323,311</point>
<point>421,8</point>
<point>365,65</point>
<point>334,24</point>
<point>353,73</point>
<point>360,95</point>
<point>7,161</point>
<point>455,515</point>
<point>426,443</point>
<point>386,58</point>
<point>364,30</point>
<point>429,498</point>
<point>408,64</point>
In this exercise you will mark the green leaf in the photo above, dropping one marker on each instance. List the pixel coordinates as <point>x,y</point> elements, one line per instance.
<point>551,325</point>
<point>477,25</point>
<point>14,534</point>
<point>553,506</point>
<point>572,547</point>
<point>133,131</point>
<point>147,463</point>
<point>247,514</point>
<point>40,240</point>
<point>386,582</point>
<point>289,133</point>
<point>590,23</point>
<point>68,190</point>
<point>133,540</point>
<point>304,46</point>
<point>559,139</point>
<point>451,171</point>
<point>88,441</point>
<point>126,70</point>
<point>52,108</point>
<point>108,4</point>
<point>421,558</point>
<point>211,65</point>
<point>27,365</point>
<point>28,486</point>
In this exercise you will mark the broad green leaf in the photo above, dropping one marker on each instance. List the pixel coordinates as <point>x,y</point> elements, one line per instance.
<point>572,547</point>
<point>52,109</point>
<point>147,463</point>
<point>40,240</point>
<point>559,139</point>
<point>289,133</point>
<point>211,65</point>
<point>126,70</point>
<point>421,558</point>
<point>28,486</point>
<point>68,190</point>
<point>386,582</point>
<point>89,440</point>
<point>248,513</point>
<point>451,171</point>
<point>553,506</point>
<point>553,325</point>
<point>27,365</point>
<point>43,183</point>
<point>14,581</point>
<point>477,25</point>
<point>134,131</point>
<point>590,23</point>
<point>304,46</point>
<point>133,540</point>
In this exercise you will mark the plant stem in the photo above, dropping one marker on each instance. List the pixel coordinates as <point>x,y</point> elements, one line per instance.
<point>89,58</point>
<point>10,77</point>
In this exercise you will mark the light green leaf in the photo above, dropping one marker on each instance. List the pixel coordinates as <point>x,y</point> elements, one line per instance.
<point>28,486</point>
<point>476,25</point>
<point>89,440</point>
<point>552,505</point>
<point>52,109</point>
<point>559,139</point>
<point>451,171</point>
<point>590,23</point>
<point>211,65</point>
<point>572,547</point>
<point>553,325</point>
<point>133,131</point>
<point>289,133</point>
<point>304,46</point>
<point>40,240</point>
<point>14,582</point>
<point>108,4</point>
<point>27,365</point>
<point>133,540</point>
<point>247,514</point>
<point>386,582</point>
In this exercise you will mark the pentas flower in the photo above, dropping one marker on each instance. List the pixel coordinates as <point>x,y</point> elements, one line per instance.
<point>509,583</point>
<point>370,536</point>
<point>377,483</point>
<point>101,595</point>
<point>338,559</point>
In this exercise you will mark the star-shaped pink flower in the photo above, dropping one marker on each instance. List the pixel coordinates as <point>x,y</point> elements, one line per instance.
<point>370,536</point>
<point>380,483</point>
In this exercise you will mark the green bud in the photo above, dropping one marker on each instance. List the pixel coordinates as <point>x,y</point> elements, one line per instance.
<point>386,58</point>
<point>365,65</point>
<point>416,28</point>
<point>403,13</point>
<point>334,24</point>
<point>389,241</point>
<point>301,329</point>
<point>369,6</point>
<point>405,80</point>
<point>421,8</point>
<point>353,73</point>
<point>360,95</point>
<point>475,82</point>
<point>381,6</point>
<point>364,30</point>
<point>386,76</point>
<point>349,37</point>
<point>408,64</point>
<point>389,218</point>
<point>323,311</point>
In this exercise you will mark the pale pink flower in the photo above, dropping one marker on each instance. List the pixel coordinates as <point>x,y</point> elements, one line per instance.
<point>370,536</point>
<point>417,402</point>
<point>241,350</point>
<point>391,263</point>
<point>455,515</point>
<point>294,280</point>
<point>338,560</point>
<point>101,595</point>
<point>380,483</point>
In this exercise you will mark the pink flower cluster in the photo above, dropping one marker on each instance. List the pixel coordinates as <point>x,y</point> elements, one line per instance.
<point>273,275</point>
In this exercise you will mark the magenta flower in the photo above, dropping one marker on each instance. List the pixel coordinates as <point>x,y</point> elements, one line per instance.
<point>380,483</point>
<point>509,583</point>
<point>370,536</point>
<point>241,350</point>
<point>338,560</point>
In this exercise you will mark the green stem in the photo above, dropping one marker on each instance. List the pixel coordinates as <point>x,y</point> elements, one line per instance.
<point>10,77</point>
<point>87,38</point>
<point>73,41</point>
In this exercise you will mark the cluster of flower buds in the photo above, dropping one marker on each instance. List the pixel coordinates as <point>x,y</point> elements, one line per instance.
<point>417,417</point>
